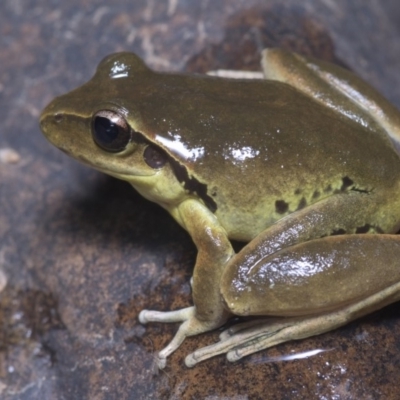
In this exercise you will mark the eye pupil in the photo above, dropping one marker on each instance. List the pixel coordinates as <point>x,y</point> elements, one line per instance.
<point>106,130</point>
<point>110,131</point>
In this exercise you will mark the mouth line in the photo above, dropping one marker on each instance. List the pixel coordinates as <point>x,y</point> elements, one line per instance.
<point>116,172</point>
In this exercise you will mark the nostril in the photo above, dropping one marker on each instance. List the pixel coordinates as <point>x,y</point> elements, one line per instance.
<point>58,118</point>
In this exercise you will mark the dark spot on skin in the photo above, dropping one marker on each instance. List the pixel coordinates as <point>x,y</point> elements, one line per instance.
<point>347,182</point>
<point>297,191</point>
<point>193,185</point>
<point>281,207</point>
<point>338,232</point>
<point>316,194</point>
<point>368,228</point>
<point>363,229</point>
<point>328,189</point>
<point>302,203</point>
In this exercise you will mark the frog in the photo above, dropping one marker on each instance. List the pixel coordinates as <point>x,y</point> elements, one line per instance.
<point>301,166</point>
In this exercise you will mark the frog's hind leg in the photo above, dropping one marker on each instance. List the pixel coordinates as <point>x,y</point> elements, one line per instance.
<point>371,265</point>
<point>245,339</point>
<point>335,87</point>
<point>250,338</point>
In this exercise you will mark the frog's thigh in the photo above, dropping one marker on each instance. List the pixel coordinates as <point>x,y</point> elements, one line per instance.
<point>332,85</point>
<point>368,271</point>
<point>315,277</point>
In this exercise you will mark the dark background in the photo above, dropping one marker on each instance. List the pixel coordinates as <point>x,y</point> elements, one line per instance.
<point>83,253</point>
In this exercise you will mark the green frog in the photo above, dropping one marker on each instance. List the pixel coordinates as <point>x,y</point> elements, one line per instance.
<point>302,166</point>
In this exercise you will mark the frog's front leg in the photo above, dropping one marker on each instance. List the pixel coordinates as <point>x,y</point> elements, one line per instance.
<point>331,282</point>
<point>214,251</point>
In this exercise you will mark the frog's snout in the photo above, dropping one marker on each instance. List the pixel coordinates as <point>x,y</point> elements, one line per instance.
<point>50,115</point>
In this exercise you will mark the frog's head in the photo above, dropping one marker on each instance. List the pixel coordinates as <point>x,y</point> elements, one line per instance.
<point>90,124</point>
<point>98,125</point>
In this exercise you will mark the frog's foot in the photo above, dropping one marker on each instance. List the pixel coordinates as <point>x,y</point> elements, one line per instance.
<point>190,326</point>
<point>243,339</point>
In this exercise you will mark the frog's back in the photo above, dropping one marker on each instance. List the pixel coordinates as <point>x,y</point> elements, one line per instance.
<point>262,149</point>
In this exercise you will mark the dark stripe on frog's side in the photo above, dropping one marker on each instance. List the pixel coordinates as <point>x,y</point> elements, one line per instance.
<point>190,184</point>
<point>193,185</point>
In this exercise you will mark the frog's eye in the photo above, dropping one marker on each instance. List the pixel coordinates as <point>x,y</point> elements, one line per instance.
<point>110,131</point>
<point>154,157</point>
